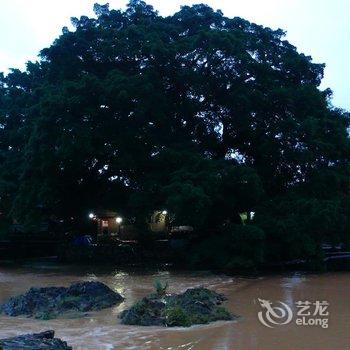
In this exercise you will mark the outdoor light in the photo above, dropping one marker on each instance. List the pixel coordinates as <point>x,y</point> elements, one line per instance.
<point>119,220</point>
<point>164,212</point>
<point>91,215</point>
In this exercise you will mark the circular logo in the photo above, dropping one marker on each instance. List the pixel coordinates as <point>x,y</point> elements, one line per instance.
<point>274,315</point>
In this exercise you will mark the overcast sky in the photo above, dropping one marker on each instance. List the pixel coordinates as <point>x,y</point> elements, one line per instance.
<point>319,28</point>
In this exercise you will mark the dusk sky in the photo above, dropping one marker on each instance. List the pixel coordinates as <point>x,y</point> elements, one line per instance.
<point>319,28</point>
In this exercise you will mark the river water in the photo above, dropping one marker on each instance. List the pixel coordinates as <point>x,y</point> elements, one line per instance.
<point>102,330</point>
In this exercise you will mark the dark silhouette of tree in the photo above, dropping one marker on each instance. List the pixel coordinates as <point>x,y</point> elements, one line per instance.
<point>206,115</point>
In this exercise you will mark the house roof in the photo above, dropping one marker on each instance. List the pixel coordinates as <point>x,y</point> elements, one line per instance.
<point>104,214</point>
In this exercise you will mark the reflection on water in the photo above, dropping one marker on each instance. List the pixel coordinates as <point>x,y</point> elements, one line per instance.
<point>102,330</point>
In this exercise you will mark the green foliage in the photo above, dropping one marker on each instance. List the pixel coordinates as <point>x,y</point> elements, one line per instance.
<point>140,306</point>
<point>244,217</point>
<point>177,317</point>
<point>246,246</point>
<point>206,193</point>
<point>296,227</point>
<point>160,287</point>
<point>222,314</point>
<point>45,315</point>
<point>4,228</point>
<point>195,306</point>
<point>240,247</point>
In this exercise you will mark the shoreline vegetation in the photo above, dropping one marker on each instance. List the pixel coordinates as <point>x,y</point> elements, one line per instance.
<point>298,267</point>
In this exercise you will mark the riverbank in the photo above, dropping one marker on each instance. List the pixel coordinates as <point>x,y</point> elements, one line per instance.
<point>102,330</point>
<point>174,252</point>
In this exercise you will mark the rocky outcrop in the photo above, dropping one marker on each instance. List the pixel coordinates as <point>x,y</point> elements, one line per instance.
<point>51,302</point>
<point>194,306</point>
<point>147,312</point>
<point>40,341</point>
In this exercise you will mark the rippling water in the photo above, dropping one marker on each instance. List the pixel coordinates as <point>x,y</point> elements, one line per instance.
<point>102,330</point>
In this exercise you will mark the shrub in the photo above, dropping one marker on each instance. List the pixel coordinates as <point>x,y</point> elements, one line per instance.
<point>237,247</point>
<point>160,287</point>
<point>296,227</point>
<point>177,317</point>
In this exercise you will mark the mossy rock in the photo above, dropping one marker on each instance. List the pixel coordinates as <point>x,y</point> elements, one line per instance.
<point>38,341</point>
<point>194,306</point>
<point>148,311</point>
<point>51,302</point>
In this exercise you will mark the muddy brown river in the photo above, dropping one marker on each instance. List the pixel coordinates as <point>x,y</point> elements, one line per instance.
<point>102,330</point>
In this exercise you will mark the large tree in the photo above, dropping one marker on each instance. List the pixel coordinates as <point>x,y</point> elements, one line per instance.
<point>132,110</point>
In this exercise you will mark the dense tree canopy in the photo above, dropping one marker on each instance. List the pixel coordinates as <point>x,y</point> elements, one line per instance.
<point>206,115</point>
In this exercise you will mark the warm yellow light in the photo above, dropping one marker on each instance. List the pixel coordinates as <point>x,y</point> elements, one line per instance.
<point>119,220</point>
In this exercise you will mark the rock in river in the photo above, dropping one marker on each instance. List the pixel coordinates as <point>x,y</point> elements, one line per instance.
<point>194,306</point>
<point>50,302</point>
<point>40,341</point>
